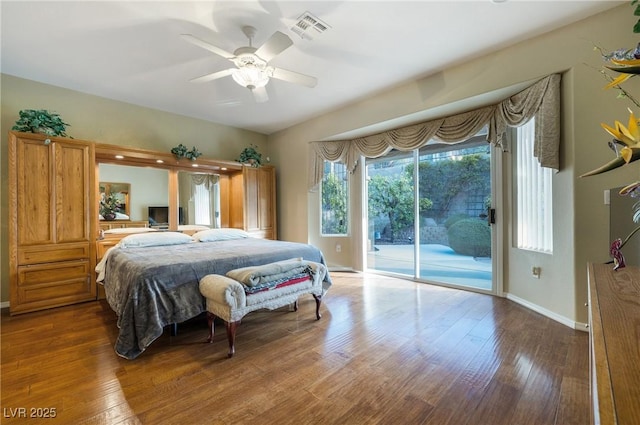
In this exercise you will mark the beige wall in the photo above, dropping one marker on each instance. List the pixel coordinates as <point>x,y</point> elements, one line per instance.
<point>106,121</point>
<point>580,218</point>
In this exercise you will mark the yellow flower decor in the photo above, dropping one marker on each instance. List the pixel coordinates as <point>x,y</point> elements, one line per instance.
<point>626,144</point>
<point>626,140</point>
<point>628,67</point>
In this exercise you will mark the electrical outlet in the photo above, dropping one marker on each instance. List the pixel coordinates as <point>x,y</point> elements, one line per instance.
<point>536,272</point>
<point>338,247</point>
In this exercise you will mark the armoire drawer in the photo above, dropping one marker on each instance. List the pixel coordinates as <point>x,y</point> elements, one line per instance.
<point>36,254</point>
<point>63,281</point>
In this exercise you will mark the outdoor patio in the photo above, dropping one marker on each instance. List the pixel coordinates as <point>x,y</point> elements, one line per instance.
<point>438,263</point>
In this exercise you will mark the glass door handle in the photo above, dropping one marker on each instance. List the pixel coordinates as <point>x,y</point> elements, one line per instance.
<point>491,216</point>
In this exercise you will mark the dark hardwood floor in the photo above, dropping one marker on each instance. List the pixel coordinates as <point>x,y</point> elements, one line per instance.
<point>386,351</point>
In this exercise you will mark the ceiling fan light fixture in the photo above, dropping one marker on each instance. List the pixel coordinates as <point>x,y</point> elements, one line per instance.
<point>252,77</point>
<point>252,68</point>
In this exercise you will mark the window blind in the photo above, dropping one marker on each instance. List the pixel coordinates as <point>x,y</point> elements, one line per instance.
<point>534,195</point>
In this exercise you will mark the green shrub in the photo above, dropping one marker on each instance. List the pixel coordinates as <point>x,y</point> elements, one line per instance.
<point>454,219</point>
<point>470,237</point>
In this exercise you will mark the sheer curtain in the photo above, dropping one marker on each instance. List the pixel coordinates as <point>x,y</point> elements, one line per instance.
<point>541,100</point>
<point>206,199</point>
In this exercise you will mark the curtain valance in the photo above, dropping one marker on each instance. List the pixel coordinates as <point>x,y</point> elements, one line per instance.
<point>208,180</point>
<point>542,100</point>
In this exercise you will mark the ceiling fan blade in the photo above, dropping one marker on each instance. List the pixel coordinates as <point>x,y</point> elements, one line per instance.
<point>294,77</point>
<point>260,94</point>
<point>212,76</point>
<point>208,46</point>
<point>276,44</point>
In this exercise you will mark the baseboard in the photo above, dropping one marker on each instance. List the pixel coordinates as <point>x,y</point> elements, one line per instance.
<point>4,304</point>
<point>340,269</point>
<point>548,313</point>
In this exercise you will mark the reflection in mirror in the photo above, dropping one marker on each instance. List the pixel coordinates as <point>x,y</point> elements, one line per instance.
<point>199,199</point>
<point>148,187</point>
<point>120,191</point>
<point>621,225</point>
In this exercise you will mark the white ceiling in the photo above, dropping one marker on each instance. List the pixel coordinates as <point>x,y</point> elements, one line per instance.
<point>133,52</point>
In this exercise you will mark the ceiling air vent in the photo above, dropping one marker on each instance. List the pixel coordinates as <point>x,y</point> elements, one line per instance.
<point>309,26</point>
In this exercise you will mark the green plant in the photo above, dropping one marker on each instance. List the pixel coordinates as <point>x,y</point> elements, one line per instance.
<point>334,204</point>
<point>443,180</point>
<point>40,121</point>
<point>181,151</point>
<point>250,155</point>
<point>392,197</point>
<point>109,206</point>
<point>453,219</point>
<point>626,140</point>
<point>470,237</point>
<point>636,27</point>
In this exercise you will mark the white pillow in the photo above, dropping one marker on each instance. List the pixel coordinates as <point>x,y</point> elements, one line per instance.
<point>120,216</point>
<point>192,227</point>
<point>131,230</point>
<point>154,239</point>
<point>213,235</point>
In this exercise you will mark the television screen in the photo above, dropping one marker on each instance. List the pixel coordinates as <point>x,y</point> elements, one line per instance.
<point>159,216</point>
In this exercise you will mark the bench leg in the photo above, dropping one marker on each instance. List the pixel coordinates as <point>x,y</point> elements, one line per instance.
<point>318,299</point>
<point>231,336</point>
<point>210,318</point>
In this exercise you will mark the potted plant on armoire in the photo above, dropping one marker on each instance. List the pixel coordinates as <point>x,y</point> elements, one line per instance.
<point>51,203</point>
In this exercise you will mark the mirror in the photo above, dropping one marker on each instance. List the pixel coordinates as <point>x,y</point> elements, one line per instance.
<point>120,191</point>
<point>621,225</point>
<point>199,199</point>
<point>148,187</point>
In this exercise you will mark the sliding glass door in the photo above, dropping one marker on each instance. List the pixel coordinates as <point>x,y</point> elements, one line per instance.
<point>391,230</point>
<point>429,214</point>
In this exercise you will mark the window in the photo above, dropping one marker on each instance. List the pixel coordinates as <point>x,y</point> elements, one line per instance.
<point>335,199</point>
<point>202,204</point>
<point>533,195</point>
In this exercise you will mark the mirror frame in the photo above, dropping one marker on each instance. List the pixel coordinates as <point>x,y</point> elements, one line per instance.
<point>123,155</point>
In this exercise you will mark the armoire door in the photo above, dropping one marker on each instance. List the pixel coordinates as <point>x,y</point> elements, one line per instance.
<point>50,201</point>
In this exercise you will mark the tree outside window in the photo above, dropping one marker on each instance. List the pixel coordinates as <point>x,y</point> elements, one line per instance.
<point>334,214</point>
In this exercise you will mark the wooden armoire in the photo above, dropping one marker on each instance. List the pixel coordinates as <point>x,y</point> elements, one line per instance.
<point>51,222</point>
<point>253,201</point>
<point>53,212</point>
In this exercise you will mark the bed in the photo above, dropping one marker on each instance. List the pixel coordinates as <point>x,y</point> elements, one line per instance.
<point>150,285</point>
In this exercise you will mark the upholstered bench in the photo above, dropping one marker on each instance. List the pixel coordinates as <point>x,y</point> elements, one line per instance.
<point>270,286</point>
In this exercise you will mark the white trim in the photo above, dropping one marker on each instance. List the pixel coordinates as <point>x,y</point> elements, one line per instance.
<point>579,326</point>
<point>360,231</point>
<point>548,313</point>
<point>416,212</point>
<point>4,304</point>
<point>499,228</point>
<point>341,269</point>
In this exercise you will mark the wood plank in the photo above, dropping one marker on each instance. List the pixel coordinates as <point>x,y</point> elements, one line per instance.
<point>385,351</point>
<point>615,321</point>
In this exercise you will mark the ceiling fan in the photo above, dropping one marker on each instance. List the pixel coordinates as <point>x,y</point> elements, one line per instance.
<point>252,65</point>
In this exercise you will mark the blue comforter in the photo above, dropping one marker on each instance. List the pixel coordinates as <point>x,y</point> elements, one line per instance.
<point>152,287</point>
